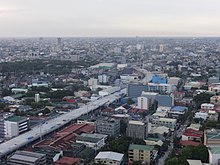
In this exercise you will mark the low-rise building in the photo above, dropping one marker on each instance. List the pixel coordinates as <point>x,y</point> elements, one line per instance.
<point>26,158</point>
<point>177,111</point>
<point>167,122</point>
<point>95,141</point>
<point>213,115</point>
<point>207,106</point>
<point>215,100</point>
<point>214,155</point>
<point>109,158</point>
<point>194,135</point>
<point>67,161</point>
<point>212,138</point>
<point>141,153</point>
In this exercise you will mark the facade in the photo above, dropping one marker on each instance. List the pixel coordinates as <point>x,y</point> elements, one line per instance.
<point>206,106</point>
<point>2,129</point>
<point>213,80</point>
<point>167,122</point>
<point>214,155</point>
<point>143,103</point>
<point>165,100</point>
<point>193,135</point>
<point>215,100</point>
<point>177,111</point>
<point>174,80</point>
<point>95,141</point>
<point>213,115</point>
<point>137,129</point>
<point>15,125</point>
<point>103,78</point>
<point>92,82</point>
<point>108,126</point>
<point>109,158</point>
<point>26,158</point>
<point>212,138</point>
<point>135,90</point>
<point>163,88</point>
<point>141,153</point>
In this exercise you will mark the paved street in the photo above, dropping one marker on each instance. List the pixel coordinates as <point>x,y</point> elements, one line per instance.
<point>53,124</point>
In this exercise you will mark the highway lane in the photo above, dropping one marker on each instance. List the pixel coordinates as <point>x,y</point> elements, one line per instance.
<point>53,124</point>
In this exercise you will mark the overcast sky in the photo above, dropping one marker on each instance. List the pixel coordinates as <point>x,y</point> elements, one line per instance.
<point>109,18</point>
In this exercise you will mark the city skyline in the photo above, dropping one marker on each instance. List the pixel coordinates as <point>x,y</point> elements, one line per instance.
<point>112,18</point>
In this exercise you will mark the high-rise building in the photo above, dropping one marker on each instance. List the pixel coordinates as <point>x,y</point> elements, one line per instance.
<point>137,129</point>
<point>108,126</point>
<point>143,103</point>
<point>37,97</point>
<point>15,125</point>
<point>59,41</point>
<point>161,48</point>
<point>135,90</point>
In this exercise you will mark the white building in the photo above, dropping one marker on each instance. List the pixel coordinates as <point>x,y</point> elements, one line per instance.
<point>15,125</point>
<point>167,122</point>
<point>109,158</point>
<point>103,78</point>
<point>143,103</point>
<point>207,106</point>
<point>92,82</point>
<point>173,80</point>
<point>202,115</point>
<point>95,141</point>
<point>37,97</point>
<point>154,87</point>
<point>214,155</point>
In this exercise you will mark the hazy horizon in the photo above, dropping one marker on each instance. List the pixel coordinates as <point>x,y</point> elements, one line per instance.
<point>109,18</point>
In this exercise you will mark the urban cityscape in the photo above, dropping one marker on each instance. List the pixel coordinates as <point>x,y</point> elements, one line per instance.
<point>104,99</point>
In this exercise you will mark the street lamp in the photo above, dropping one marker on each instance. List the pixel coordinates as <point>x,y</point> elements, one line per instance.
<point>40,114</point>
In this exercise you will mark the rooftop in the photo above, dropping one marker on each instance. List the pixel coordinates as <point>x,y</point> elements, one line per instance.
<point>26,156</point>
<point>136,122</point>
<point>67,161</point>
<point>110,155</point>
<point>140,147</point>
<point>16,118</point>
<point>214,150</point>
<point>179,108</point>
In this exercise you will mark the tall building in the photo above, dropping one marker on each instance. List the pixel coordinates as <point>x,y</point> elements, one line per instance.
<point>161,48</point>
<point>143,103</point>
<point>26,158</point>
<point>141,153</point>
<point>2,128</point>
<point>135,90</point>
<point>59,41</point>
<point>15,125</point>
<point>108,126</point>
<point>103,78</point>
<point>92,82</point>
<point>37,97</point>
<point>137,129</point>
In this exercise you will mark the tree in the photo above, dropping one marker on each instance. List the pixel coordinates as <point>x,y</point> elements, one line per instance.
<point>130,101</point>
<point>172,161</point>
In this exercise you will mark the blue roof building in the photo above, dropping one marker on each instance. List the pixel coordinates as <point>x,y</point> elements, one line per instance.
<point>159,80</point>
<point>176,111</point>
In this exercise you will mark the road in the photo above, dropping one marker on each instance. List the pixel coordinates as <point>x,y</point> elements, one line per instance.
<point>177,133</point>
<point>55,123</point>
